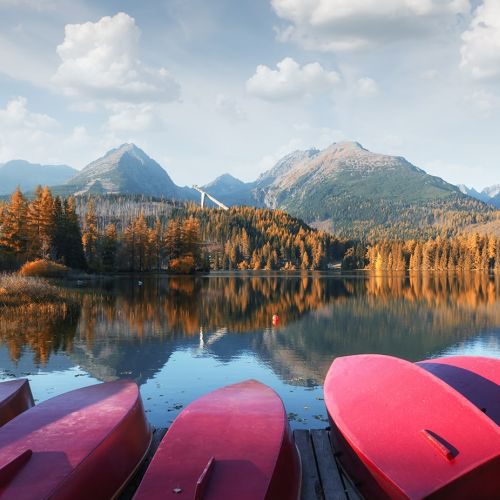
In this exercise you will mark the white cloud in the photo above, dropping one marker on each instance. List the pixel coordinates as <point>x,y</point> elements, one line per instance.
<point>100,61</point>
<point>132,118</point>
<point>336,25</point>
<point>39,138</point>
<point>481,42</point>
<point>291,80</point>
<point>23,130</point>
<point>367,87</point>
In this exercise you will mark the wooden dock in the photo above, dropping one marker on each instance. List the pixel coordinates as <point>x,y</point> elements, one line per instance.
<point>322,477</point>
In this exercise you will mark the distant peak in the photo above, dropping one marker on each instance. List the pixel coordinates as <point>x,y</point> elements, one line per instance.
<point>226,177</point>
<point>126,148</point>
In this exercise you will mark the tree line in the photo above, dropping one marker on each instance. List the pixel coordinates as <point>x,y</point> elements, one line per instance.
<point>45,228</point>
<point>466,252</point>
<point>87,233</point>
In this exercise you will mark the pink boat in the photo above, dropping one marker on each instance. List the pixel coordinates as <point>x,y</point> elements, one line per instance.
<point>477,378</point>
<point>79,445</point>
<point>15,397</point>
<point>404,433</point>
<point>234,443</point>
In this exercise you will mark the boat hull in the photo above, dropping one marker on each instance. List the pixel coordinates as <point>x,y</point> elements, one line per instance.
<point>232,443</point>
<point>404,433</point>
<point>82,444</point>
<point>475,377</point>
<point>15,397</point>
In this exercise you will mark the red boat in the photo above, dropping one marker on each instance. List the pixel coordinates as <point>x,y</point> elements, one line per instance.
<point>477,378</point>
<point>79,445</point>
<point>404,433</point>
<point>234,443</point>
<point>15,397</point>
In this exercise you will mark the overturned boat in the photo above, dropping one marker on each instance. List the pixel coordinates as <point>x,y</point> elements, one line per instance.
<point>405,433</point>
<point>475,377</point>
<point>79,445</point>
<point>234,442</point>
<point>15,397</point>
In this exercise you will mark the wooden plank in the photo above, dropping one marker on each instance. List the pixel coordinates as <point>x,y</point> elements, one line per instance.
<point>351,490</point>
<point>133,484</point>
<point>331,482</point>
<point>311,485</point>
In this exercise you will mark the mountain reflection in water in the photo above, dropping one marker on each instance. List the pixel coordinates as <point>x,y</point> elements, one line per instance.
<point>181,336</point>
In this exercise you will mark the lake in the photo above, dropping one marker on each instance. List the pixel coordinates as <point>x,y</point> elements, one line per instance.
<point>180,337</point>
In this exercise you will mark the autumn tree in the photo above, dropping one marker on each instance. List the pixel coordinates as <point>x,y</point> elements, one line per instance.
<point>90,236</point>
<point>13,231</point>
<point>109,248</point>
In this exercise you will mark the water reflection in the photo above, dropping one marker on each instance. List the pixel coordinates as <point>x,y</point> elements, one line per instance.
<point>204,331</point>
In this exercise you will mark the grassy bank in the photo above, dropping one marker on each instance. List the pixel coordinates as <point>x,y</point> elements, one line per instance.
<point>37,314</point>
<point>18,291</point>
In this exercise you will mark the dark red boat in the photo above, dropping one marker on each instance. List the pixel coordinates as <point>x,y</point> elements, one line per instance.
<point>15,397</point>
<point>404,433</point>
<point>80,445</point>
<point>234,443</point>
<point>477,378</point>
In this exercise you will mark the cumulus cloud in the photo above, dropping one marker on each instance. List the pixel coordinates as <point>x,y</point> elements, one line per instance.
<point>39,137</point>
<point>481,42</point>
<point>336,25</point>
<point>290,80</point>
<point>23,130</point>
<point>16,116</point>
<point>100,61</point>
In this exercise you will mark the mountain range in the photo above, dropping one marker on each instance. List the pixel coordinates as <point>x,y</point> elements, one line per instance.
<point>489,194</point>
<point>28,175</point>
<point>343,188</point>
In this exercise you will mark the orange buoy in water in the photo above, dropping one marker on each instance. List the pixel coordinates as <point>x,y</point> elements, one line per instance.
<point>276,319</point>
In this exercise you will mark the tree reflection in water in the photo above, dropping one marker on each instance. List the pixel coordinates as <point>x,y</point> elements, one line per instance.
<point>124,330</point>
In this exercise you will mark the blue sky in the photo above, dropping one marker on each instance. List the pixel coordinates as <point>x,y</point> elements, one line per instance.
<point>213,86</point>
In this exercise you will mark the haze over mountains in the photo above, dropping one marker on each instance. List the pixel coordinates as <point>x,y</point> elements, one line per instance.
<point>28,175</point>
<point>489,194</point>
<point>343,188</point>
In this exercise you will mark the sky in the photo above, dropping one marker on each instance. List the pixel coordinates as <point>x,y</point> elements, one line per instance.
<point>207,87</point>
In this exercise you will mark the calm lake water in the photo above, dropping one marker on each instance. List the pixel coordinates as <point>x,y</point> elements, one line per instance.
<point>180,337</point>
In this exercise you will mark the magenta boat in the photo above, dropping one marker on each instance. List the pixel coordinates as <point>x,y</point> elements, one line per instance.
<point>79,445</point>
<point>234,443</point>
<point>15,397</point>
<point>404,433</point>
<point>476,377</point>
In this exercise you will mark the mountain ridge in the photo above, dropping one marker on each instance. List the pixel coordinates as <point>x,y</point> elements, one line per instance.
<point>28,175</point>
<point>490,194</point>
<point>343,188</point>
